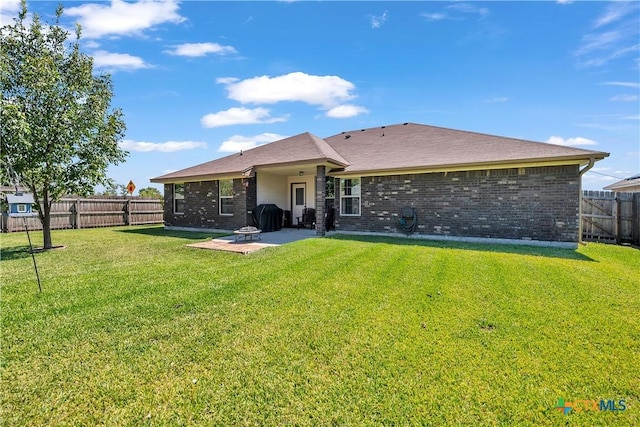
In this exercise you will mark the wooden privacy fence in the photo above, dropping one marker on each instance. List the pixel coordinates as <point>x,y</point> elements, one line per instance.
<point>91,213</point>
<point>611,217</point>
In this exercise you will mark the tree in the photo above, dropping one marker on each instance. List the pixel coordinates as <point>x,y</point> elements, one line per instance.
<point>150,192</point>
<point>58,133</point>
<point>112,188</point>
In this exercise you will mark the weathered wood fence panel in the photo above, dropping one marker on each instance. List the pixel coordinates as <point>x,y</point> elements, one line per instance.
<point>93,212</point>
<point>611,217</point>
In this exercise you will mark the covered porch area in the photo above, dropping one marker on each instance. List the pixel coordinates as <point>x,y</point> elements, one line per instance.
<point>294,188</point>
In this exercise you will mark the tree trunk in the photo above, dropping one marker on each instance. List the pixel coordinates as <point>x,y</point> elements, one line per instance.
<point>45,218</point>
<point>46,231</point>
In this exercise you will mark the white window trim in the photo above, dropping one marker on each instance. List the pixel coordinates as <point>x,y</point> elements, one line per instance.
<point>220,197</point>
<point>174,198</point>
<point>22,208</point>
<point>359,197</point>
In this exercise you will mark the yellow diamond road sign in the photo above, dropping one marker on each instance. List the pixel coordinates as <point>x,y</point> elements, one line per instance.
<point>131,187</point>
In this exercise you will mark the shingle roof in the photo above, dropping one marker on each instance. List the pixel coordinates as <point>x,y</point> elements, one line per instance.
<point>400,147</point>
<point>299,149</point>
<point>628,184</point>
<point>413,146</point>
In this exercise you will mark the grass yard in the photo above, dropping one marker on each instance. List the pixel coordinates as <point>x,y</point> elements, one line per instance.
<point>134,328</point>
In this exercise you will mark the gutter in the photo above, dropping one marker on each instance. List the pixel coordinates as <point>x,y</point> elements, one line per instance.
<point>592,161</point>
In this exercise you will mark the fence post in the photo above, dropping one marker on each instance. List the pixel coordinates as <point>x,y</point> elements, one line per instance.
<point>128,212</point>
<point>77,210</point>
<point>617,217</point>
<point>635,219</point>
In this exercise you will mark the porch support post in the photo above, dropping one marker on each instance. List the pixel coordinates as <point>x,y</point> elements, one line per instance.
<point>321,196</point>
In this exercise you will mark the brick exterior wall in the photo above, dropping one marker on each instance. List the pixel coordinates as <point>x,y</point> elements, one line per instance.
<point>201,206</point>
<point>321,183</point>
<point>540,203</point>
<point>251,199</point>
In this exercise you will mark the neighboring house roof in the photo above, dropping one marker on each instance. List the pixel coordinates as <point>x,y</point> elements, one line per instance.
<point>631,184</point>
<point>296,150</point>
<point>411,146</point>
<point>397,148</point>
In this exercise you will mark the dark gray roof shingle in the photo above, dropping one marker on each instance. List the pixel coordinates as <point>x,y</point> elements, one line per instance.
<point>414,146</point>
<point>400,147</point>
<point>303,148</point>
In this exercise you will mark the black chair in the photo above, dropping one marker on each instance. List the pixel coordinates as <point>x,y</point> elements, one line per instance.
<point>330,220</point>
<point>308,218</point>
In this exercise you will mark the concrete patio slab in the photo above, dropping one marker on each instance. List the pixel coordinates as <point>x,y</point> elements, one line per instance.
<point>274,238</point>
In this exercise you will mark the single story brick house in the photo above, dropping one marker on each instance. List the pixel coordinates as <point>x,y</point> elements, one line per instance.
<point>426,181</point>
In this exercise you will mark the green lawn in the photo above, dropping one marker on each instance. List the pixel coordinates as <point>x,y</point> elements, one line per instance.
<point>135,328</point>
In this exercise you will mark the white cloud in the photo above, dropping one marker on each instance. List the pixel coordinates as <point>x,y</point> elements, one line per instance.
<point>240,116</point>
<point>570,142</point>
<point>239,142</point>
<point>165,147</point>
<point>434,16</point>
<point>497,99</point>
<point>564,1</point>
<point>226,80</point>
<point>469,8</point>
<point>345,111</point>
<point>325,91</point>
<point>595,178</point>
<point>200,49</point>
<point>118,61</point>
<point>623,84</point>
<point>123,18</point>
<point>592,42</point>
<point>614,35</point>
<point>624,98</point>
<point>90,44</point>
<point>456,12</point>
<point>377,21</point>
<point>615,12</point>
<point>8,11</point>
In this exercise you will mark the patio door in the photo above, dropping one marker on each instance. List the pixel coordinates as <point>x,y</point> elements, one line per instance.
<point>298,200</point>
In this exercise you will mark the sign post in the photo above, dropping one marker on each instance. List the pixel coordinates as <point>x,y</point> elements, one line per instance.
<point>21,205</point>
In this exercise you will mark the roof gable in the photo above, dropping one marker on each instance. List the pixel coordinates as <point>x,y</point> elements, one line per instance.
<point>303,148</point>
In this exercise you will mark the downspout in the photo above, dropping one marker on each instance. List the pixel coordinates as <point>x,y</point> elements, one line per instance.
<point>592,161</point>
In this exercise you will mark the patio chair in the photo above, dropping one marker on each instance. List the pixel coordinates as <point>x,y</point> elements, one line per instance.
<point>330,219</point>
<point>308,218</point>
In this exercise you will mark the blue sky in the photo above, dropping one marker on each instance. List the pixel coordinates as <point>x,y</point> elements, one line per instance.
<point>198,80</point>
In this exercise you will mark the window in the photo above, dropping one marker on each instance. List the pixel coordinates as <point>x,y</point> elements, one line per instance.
<point>226,196</point>
<point>22,208</point>
<point>178,198</point>
<point>300,196</point>
<point>350,196</point>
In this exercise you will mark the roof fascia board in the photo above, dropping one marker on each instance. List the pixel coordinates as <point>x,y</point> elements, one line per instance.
<point>461,168</point>
<point>241,174</point>
<point>198,178</point>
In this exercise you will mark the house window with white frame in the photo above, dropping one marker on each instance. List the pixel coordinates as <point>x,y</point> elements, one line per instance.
<point>178,198</point>
<point>22,208</point>
<point>226,196</point>
<point>350,197</point>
